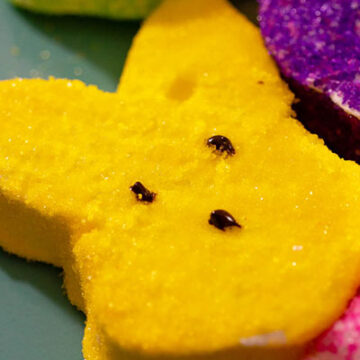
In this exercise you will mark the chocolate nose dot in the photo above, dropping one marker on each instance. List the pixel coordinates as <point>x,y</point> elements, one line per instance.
<point>222,144</point>
<point>142,193</point>
<point>222,219</point>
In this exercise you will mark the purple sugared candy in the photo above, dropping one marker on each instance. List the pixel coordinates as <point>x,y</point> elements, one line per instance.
<point>342,340</point>
<point>316,44</point>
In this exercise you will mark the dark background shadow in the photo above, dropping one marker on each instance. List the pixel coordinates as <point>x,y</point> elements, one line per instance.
<point>248,8</point>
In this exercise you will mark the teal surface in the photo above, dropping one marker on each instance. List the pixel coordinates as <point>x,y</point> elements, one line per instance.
<point>36,320</point>
<point>92,50</point>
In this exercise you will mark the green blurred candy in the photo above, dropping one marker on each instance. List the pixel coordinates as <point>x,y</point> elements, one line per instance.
<point>117,9</point>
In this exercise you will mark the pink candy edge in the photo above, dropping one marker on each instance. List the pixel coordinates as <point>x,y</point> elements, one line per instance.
<point>342,340</point>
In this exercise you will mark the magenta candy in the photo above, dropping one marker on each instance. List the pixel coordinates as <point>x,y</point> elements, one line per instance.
<point>342,340</point>
<point>316,44</point>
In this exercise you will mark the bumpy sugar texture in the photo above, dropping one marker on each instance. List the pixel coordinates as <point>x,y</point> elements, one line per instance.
<point>341,342</point>
<point>317,43</point>
<point>317,47</point>
<point>157,278</point>
<point>119,9</point>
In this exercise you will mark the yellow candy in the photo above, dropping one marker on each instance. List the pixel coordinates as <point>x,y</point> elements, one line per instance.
<point>157,278</point>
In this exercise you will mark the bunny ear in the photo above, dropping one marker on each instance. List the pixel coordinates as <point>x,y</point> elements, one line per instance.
<point>163,64</point>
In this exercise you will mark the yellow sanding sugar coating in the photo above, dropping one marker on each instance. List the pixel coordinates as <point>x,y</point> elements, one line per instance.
<point>157,278</point>
<point>118,9</point>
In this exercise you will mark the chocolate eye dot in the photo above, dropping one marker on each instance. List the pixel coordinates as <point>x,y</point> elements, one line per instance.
<point>142,193</point>
<point>221,219</point>
<point>221,144</point>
